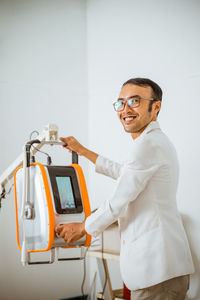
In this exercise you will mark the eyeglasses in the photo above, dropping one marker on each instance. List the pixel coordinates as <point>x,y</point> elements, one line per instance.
<point>133,102</point>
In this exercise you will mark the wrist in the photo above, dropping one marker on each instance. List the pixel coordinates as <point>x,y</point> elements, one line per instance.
<point>84,151</point>
<point>83,228</point>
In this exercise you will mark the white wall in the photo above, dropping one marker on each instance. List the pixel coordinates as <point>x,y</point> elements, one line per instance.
<point>43,79</point>
<point>157,39</point>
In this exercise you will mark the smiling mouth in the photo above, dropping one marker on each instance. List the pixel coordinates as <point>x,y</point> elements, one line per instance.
<point>129,118</point>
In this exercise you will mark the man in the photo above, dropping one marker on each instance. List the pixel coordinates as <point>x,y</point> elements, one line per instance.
<point>155,258</point>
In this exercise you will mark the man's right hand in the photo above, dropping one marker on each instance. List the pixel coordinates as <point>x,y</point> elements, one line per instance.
<point>73,145</point>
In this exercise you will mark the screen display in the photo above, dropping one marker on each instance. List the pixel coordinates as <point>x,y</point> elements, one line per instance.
<point>65,192</point>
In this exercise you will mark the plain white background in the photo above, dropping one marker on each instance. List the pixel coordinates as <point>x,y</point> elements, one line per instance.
<point>64,62</point>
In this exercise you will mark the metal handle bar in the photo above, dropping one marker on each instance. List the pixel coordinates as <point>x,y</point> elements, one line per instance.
<point>30,143</point>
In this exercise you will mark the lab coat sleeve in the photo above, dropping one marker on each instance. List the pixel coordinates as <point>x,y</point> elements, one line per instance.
<point>132,181</point>
<point>108,167</point>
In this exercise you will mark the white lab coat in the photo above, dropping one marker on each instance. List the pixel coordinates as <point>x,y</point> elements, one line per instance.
<point>154,246</point>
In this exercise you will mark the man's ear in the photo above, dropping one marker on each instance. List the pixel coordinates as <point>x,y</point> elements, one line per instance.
<point>157,106</point>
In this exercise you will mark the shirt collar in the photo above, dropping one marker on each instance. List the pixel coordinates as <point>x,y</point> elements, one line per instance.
<point>150,127</point>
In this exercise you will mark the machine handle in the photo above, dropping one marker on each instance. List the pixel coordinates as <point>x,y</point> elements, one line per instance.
<point>40,262</point>
<point>74,157</point>
<point>30,143</point>
<point>50,261</point>
<point>28,149</point>
<point>81,257</point>
<point>71,258</point>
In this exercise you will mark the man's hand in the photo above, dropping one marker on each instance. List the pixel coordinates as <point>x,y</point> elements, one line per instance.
<point>73,145</point>
<point>71,232</point>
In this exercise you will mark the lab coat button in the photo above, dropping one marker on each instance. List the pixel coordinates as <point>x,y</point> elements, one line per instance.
<point>123,242</point>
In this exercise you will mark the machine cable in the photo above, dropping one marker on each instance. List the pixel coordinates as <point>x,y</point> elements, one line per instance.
<point>102,247</point>
<point>84,268</point>
<point>49,161</point>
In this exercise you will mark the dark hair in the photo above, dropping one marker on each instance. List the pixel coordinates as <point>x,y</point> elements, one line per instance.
<point>157,92</point>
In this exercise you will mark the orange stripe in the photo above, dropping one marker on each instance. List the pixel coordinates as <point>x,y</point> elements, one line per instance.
<point>85,198</point>
<point>16,212</point>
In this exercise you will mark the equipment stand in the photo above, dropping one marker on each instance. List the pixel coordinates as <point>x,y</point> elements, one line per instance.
<point>109,293</point>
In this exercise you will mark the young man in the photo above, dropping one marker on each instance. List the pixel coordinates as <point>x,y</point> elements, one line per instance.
<point>155,258</point>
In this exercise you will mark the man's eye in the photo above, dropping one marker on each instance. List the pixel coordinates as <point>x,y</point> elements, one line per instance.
<point>118,104</point>
<point>133,101</point>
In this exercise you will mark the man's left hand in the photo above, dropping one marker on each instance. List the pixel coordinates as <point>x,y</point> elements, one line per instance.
<point>71,232</point>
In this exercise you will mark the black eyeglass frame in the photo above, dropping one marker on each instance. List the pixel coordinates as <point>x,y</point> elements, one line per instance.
<point>126,101</point>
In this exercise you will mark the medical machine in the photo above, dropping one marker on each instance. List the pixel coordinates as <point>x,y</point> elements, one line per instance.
<point>47,196</point>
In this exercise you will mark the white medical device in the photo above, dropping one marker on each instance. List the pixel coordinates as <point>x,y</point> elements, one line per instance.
<point>46,196</point>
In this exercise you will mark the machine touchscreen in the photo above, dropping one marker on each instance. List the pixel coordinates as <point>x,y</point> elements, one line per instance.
<point>65,192</point>
<point>65,188</point>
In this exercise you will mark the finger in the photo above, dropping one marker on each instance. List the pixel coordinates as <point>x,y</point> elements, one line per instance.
<point>62,235</point>
<point>63,232</point>
<point>58,228</point>
<point>68,240</point>
<point>69,243</point>
<point>64,141</point>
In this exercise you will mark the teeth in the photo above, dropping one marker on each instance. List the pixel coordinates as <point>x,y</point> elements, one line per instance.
<point>129,119</point>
